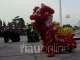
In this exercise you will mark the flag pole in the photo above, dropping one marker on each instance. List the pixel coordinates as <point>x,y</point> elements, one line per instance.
<point>60,12</point>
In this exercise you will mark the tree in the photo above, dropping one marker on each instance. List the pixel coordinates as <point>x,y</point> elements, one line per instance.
<point>67,25</point>
<point>0,22</point>
<point>9,24</point>
<point>4,24</point>
<point>75,28</point>
<point>17,21</point>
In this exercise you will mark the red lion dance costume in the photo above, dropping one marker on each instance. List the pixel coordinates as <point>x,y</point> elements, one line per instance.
<point>44,27</point>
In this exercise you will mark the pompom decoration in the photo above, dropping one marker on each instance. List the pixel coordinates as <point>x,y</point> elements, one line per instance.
<point>67,31</point>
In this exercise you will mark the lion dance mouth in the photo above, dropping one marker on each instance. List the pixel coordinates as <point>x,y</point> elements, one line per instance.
<point>51,33</point>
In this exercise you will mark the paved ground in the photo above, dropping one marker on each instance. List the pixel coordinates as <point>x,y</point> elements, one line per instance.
<point>12,51</point>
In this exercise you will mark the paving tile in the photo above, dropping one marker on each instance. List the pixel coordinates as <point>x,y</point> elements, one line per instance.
<point>17,58</point>
<point>11,51</point>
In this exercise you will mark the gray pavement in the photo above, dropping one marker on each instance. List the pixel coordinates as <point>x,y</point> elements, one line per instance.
<point>12,51</point>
